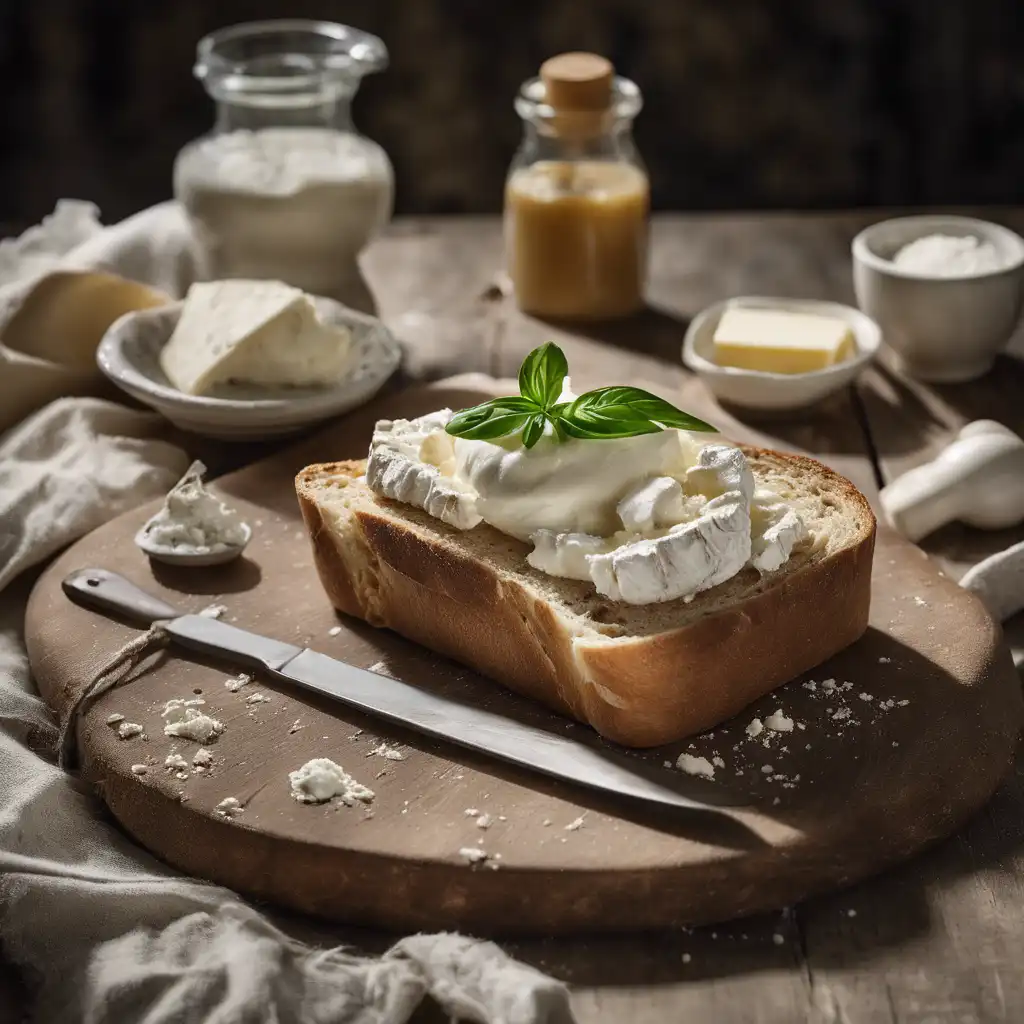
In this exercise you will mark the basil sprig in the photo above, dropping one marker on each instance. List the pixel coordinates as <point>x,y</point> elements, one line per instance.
<point>597,415</point>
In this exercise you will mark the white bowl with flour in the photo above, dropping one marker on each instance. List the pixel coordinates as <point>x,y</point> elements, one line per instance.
<point>947,291</point>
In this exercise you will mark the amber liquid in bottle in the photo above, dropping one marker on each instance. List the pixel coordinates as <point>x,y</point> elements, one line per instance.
<point>577,197</point>
<point>576,237</point>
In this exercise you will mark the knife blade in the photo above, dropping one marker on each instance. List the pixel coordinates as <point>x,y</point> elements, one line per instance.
<point>381,696</point>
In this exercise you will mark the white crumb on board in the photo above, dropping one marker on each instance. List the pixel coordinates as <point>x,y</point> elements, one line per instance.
<point>321,779</point>
<point>696,766</point>
<point>229,807</point>
<point>202,758</point>
<point>718,762</point>
<point>754,728</point>
<point>214,611</point>
<point>235,683</point>
<point>126,730</point>
<point>391,753</point>
<point>379,667</point>
<point>334,631</point>
<point>546,822</point>
<point>866,697</point>
<point>175,761</point>
<point>575,824</point>
<point>139,769</point>
<point>484,821</point>
<point>884,661</point>
<point>114,718</point>
<point>256,698</point>
<point>296,726</point>
<point>767,769</point>
<point>472,854</point>
<point>471,812</point>
<point>920,602</point>
<point>778,722</point>
<point>186,722</point>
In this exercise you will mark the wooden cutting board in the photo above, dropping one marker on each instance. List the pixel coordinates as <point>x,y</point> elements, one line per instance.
<point>911,738</point>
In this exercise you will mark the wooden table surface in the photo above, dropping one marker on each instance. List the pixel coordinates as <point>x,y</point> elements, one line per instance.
<point>938,940</point>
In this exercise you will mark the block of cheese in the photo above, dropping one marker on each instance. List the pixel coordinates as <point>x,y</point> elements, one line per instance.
<point>252,332</point>
<point>780,341</point>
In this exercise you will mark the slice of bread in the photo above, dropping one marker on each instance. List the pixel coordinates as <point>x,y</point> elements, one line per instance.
<point>640,675</point>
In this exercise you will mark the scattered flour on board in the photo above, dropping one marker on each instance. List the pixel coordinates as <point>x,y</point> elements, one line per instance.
<point>575,824</point>
<point>126,730</point>
<point>202,759</point>
<point>139,769</point>
<point>778,722</point>
<point>229,807</point>
<point>256,698</point>
<point>755,728</point>
<point>175,761</point>
<point>383,750</point>
<point>186,722</point>
<point>484,821</point>
<point>696,766</point>
<point>235,683</point>
<point>321,779</point>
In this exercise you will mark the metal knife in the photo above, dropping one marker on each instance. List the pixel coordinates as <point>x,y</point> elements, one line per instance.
<point>474,728</point>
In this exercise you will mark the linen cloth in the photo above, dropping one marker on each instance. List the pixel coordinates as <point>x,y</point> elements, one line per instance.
<point>105,932</point>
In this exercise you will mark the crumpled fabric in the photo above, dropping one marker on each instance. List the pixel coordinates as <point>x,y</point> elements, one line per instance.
<point>103,931</point>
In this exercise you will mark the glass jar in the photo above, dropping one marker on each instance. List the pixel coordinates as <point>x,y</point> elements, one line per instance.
<point>284,187</point>
<point>577,196</point>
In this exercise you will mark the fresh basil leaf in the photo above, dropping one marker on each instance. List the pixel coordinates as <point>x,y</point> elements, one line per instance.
<point>534,430</point>
<point>607,412</point>
<point>496,418</point>
<point>542,373</point>
<point>607,431</point>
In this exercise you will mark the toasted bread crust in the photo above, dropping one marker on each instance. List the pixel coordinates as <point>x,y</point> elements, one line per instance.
<point>639,691</point>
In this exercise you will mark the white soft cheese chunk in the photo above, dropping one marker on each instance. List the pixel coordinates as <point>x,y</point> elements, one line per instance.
<point>690,558</point>
<point>396,469</point>
<point>652,503</point>
<point>776,529</point>
<point>253,332</point>
<point>565,554</point>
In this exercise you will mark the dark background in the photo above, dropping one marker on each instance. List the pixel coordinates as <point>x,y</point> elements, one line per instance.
<point>749,103</point>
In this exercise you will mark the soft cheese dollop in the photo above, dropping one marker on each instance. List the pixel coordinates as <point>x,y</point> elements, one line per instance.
<point>646,519</point>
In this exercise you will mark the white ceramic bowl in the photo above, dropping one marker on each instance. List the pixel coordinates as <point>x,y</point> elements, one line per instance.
<point>129,356</point>
<point>198,557</point>
<point>942,329</point>
<point>776,392</point>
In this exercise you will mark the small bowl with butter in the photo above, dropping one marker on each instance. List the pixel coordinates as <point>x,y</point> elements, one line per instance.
<point>946,291</point>
<point>778,355</point>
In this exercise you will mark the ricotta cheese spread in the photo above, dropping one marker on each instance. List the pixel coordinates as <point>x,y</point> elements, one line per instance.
<point>648,518</point>
<point>193,520</point>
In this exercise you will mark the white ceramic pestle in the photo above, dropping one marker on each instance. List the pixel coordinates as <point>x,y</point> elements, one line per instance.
<point>978,479</point>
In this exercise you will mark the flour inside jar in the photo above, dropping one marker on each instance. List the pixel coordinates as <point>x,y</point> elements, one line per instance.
<point>290,204</point>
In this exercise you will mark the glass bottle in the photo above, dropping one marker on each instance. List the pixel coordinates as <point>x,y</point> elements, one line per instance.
<point>577,194</point>
<point>284,187</point>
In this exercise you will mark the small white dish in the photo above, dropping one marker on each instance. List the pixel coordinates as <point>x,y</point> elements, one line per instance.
<point>942,329</point>
<point>195,557</point>
<point>129,356</point>
<point>776,392</point>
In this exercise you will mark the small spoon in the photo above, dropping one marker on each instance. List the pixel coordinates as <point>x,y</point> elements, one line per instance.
<point>192,556</point>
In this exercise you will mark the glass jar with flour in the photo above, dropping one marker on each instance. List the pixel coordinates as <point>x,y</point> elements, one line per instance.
<point>284,187</point>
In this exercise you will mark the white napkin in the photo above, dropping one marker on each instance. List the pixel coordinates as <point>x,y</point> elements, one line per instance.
<point>107,933</point>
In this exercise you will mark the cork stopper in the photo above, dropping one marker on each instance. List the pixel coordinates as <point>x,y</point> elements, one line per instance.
<point>578,82</point>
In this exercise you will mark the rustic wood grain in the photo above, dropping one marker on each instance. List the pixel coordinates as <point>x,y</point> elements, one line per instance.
<point>939,940</point>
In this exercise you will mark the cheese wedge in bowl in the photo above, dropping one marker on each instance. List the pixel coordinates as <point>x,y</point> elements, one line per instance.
<point>605,553</point>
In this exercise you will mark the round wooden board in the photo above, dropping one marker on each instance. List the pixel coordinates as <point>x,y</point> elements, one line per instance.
<point>915,736</point>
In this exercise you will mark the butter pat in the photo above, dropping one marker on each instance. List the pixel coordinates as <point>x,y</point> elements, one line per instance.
<point>252,332</point>
<point>778,341</point>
